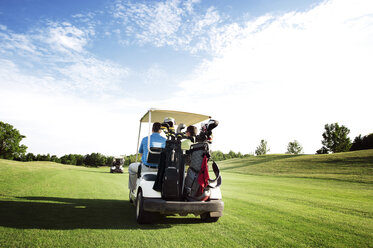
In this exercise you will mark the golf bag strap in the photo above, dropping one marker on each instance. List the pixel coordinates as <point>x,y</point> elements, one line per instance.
<point>213,183</point>
<point>160,174</point>
<point>198,149</point>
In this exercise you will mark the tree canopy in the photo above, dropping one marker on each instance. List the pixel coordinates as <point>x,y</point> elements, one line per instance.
<point>362,143</point>
<point>10,139</point>
<point>262,148</point>
<point>335,138</point>
<point>294,148</point>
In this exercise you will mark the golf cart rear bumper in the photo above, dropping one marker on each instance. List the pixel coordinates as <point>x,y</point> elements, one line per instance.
<point>214,207</point>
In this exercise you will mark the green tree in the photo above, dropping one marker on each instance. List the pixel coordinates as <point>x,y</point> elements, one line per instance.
<point>55,159</point>
<point>109,161</point>
<point>217,155</point>
<point>129,159</point>
<point>79,159</point>
<point>30,157</point>
<point>322,150</point>
<point>72,159</point>
<point>362,143</point>
<point>38,157</point>
<point>262,148</point>
<point>232,154</point>
<point>335,138</point>
<point>294,148</point>
<point>44,157</point>
<point>10,139</point>
<point>94,159</point>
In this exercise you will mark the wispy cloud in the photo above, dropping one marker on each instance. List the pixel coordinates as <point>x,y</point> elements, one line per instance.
<point>168,23</point>
<point>55,54</point>
<point>13,42</point>
<point>52,38</point>
<point>65,37</point>
<point>289,73</point>
<point>93,75</point>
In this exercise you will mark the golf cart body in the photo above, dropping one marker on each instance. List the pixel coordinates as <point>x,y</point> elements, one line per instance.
<point>148,201</point>
<point>117,166</point>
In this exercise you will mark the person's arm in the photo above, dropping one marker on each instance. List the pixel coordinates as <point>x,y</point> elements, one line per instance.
<point>141,149</point>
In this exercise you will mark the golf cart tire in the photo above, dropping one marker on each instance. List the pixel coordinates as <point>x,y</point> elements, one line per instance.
<point>205,217</point>
<point>142,216</point>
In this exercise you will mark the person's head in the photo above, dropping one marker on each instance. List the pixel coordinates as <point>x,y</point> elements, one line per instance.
<point>157,127</point>
<point>191,131</point>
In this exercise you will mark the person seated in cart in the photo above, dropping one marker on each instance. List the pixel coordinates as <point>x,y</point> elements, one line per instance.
<point>156,140</point>
<point>191,133</point>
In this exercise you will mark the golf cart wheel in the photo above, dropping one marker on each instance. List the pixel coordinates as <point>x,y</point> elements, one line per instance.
<point>142,216</point>
<point>205,217</point>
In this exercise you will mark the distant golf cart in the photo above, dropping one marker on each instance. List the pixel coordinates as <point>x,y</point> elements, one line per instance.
<point>117,166</point>
<point>173,189</point>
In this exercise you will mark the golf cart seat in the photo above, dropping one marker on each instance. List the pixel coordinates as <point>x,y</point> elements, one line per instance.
<point>154,155</point>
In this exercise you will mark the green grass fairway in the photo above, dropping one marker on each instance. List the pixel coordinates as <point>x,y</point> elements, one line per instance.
<point>270,201</point>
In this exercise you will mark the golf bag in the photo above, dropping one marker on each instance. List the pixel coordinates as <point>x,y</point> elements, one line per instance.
<point>197,182</point>
<point>170,177</point>
<point>192,190</point>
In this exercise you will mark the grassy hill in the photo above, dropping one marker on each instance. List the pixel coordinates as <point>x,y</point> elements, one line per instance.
<point>270,201</point>
<point>349,166</point>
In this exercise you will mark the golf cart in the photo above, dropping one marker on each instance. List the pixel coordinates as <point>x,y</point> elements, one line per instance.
<point>117,166</point>
<point>172,189</point>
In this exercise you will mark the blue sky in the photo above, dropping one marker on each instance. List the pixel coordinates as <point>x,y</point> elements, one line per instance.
<point>75,76</point>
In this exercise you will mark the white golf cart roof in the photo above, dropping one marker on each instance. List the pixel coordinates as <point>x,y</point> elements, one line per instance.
<point>158,115</point>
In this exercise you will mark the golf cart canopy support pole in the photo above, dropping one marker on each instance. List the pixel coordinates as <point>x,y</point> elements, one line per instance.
<point>138,142</point>
<point>150,128</point>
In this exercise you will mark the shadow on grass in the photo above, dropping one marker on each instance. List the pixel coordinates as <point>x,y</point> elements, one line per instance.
<point>259,160</point>
<point>356,161</point>
<point>104,172</point>
<point>68,213</point>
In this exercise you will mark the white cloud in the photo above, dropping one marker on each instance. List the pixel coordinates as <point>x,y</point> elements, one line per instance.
<point>168,23</point>
<point>284,77</point>
<point>55,57</point>
<point>88,73</point>
<point>58,122</point>
<point>15,42</point>
<point>65,37</point>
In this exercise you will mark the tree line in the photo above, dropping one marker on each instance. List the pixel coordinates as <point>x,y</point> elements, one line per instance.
<point>93,159</point>
<point>335,139</point>
<point>219,156</point>
<point>10,148</point>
